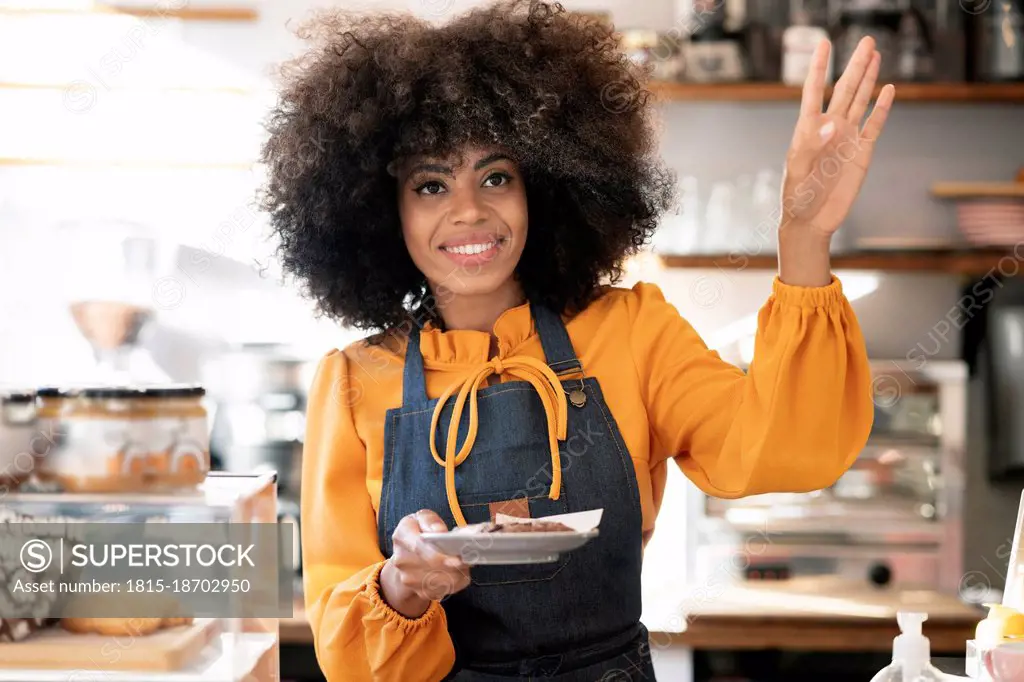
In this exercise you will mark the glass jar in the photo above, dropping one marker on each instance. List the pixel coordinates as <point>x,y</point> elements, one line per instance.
<point>97,439</point>
<point>660,52</point>
<point>17,426</point>
<point>177,436</point>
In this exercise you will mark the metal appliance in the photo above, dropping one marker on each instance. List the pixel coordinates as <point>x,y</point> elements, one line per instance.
<point>894,518</point>
<point>258,394</point>
<point>258,413</point>
<point>1004,377</point>
<point>998,42</point>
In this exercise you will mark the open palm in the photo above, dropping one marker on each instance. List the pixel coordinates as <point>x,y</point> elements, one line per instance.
<point>831,151</point>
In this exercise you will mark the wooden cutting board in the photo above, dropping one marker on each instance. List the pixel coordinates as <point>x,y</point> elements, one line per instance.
<point>969,190</point>
<point>163,651</point>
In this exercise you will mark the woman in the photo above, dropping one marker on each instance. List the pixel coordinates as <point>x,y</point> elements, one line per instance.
<point>465,190</point>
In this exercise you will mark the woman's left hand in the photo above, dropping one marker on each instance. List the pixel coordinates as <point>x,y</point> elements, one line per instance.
<point>828,159</point>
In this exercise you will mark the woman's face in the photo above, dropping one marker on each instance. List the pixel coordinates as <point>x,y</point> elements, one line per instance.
<point>464,225</point>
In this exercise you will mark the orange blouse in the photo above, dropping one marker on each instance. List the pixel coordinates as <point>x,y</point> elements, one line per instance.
<point>794,423</point>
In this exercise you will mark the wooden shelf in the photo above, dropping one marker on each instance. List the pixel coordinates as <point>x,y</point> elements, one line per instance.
<point>967,93</point>
<point>158,164</point>
<point>141,87</point>
<point>965,262</point>
<point>184,13</point>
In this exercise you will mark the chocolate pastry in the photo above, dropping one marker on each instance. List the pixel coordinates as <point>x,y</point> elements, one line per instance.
<point>527,527</point>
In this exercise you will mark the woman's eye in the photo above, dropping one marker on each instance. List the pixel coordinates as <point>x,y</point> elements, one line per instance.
<point>430,187</point>
<point>497,179</point>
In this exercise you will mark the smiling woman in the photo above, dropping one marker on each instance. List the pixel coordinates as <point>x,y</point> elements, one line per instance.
<point>473,186</point>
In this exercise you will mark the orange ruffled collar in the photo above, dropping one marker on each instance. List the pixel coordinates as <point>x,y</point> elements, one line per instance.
<point>469,347</point>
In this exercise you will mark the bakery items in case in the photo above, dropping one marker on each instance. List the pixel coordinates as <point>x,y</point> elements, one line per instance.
<point>112,626</point>
<point>162,611</point>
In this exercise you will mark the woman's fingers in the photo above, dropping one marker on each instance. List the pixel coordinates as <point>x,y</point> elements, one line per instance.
<point>420,567</point>
<point>430,522</point>
<point>410,547</point>
<point>867,87</point>
<point>814,85</point>
<point>876,121</point>
<point>849,82</point>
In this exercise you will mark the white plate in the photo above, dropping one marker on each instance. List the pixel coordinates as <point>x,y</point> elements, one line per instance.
<point>508,548</point>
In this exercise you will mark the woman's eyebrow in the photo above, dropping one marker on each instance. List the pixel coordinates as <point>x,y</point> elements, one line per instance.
<point>498,156</point>
<point>431,168</point>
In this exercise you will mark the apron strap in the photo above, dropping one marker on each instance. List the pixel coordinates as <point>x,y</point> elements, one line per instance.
<point>414,385</point>
<point>554,338</point>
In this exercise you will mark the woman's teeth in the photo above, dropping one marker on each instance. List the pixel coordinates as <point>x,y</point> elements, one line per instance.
<point>470,249</point>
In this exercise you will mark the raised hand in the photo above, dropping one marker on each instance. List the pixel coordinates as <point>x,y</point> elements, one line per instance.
<point>828,160</point>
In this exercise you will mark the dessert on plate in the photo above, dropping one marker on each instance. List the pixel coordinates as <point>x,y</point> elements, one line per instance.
<point>526,527</point>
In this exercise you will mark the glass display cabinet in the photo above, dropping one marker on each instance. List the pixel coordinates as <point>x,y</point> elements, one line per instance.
<point>199,649</point>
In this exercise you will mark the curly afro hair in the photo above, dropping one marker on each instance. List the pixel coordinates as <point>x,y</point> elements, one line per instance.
<point>549,87</point>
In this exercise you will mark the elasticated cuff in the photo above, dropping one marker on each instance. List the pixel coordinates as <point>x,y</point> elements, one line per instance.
<point>381,607</point>
<point>808,297</point>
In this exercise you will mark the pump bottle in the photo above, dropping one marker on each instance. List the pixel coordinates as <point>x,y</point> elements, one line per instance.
<point>911,653</point>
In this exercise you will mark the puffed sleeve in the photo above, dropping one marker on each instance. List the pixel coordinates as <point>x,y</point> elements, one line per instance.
<point>357,636</point>
<point>794,422</point>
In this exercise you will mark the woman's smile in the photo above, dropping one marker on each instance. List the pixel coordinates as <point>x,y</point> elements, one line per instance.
<point>473,249</point>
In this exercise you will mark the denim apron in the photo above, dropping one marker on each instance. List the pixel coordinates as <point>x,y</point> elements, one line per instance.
<point>573,620</point>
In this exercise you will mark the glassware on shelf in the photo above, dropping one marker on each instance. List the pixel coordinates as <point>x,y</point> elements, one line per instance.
<point>688,231</point>
<point>719,235</point>
<point>764,206</point>
<point>112,269</point>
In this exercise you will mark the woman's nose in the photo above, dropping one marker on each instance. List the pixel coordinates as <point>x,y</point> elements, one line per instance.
<point>467,208</point>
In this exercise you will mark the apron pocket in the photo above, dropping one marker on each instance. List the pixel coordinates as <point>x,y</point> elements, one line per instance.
<point>480,507</point>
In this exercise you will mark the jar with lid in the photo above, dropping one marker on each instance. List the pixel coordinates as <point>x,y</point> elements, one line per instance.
<point>177,437</point>
<point>98,439</point>
<point>51,404</point>
<point>17,430</point>
<point>659,52</point>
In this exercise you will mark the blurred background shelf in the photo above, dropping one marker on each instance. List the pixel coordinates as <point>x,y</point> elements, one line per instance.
<point>187,12</point>
<point>138,163</point>
<point>71,87</point>
<point>967,262</point>
<point>967,93</point>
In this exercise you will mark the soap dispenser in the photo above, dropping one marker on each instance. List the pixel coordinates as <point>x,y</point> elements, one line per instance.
<point>911,653</point>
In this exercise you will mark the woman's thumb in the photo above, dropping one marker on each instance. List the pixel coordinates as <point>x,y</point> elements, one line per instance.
<point>430,522</point>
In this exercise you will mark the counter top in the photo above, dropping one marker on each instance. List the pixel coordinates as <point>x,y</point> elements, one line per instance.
<point>808,614</point>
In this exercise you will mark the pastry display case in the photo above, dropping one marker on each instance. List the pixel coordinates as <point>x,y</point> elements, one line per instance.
<point>161,644</point>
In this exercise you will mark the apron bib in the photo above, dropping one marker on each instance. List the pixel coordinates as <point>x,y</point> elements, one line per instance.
<point>576,619</point>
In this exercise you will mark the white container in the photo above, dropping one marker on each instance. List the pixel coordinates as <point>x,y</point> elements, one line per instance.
<point>798,44</point>
<point>911,653</point>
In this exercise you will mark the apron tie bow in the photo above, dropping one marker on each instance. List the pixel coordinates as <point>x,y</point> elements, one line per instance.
<point>552,397</point>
